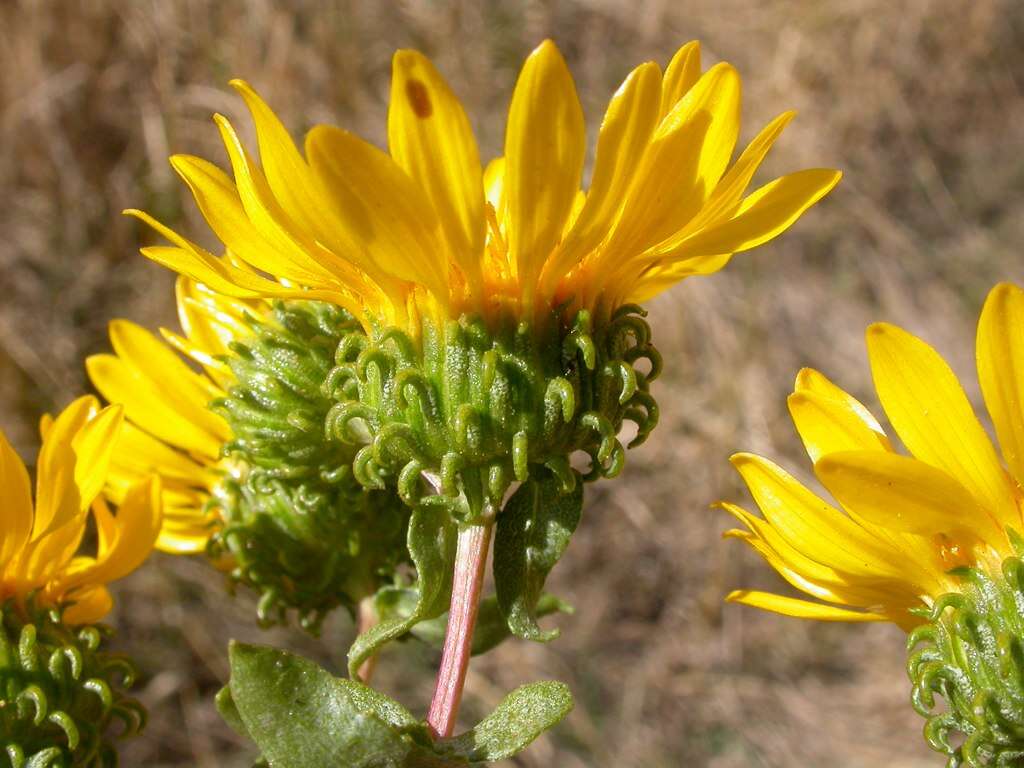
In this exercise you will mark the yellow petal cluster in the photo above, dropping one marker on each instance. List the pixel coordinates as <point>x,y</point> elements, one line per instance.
<point>40,542</point>
<point>902,522</point>
<point>170,431</point>
<point>425,231</point>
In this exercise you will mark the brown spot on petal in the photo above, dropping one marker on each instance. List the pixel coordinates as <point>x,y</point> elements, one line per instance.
<point>419,99</point>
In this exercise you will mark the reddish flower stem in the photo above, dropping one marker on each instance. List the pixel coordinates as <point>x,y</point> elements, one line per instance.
<point>470,561</point>
<point>367,619</point>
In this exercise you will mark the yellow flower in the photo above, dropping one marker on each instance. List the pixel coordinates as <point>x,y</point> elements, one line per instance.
<point>425,232</point>
<point>39,542</point>
<point>171,431</point>
<point>905,522</point>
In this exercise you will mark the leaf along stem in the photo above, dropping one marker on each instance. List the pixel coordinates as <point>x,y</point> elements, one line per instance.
<point>470,561</point>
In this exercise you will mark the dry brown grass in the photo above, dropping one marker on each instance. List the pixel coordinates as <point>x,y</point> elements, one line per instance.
<point>919,102</point>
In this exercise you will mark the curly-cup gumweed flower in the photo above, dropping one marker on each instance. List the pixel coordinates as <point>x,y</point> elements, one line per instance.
<point>60,692</point>
<point>499,301</point>
<point>230,415</point>
<point>39,556</point>
<point>930,541</point>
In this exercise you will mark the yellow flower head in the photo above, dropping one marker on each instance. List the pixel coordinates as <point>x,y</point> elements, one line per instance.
<point>425,232</point>
<point>171,431</point>
<point>39,560</point>
<point>907,527</point>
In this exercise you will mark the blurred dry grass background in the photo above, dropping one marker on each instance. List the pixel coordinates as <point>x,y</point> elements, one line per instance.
<point>919,102</point>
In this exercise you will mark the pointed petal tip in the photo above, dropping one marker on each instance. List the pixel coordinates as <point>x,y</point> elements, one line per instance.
<point>407,57</point>
<point>879,331</point>
<point>1001,289</point>
<point>736,533</point>
<point>743,457</point>
<point>803,378</point>
<point>547,50</point>
<point>242,86</point>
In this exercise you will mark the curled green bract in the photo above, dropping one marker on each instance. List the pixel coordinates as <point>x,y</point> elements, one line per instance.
<point>971,655</point>
<point>298,528</point>
<point>62,699</point>
<point>470,408</point>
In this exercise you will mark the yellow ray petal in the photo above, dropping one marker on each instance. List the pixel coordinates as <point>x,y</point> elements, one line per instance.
<point>931,414</point>
<point>168,375</point>
<point>805,573</point>
<point>287,174</point>
<point>169,420</point>
<point>430,137</point>
<point>494,185</point>
<point>824,583</point>
<point>382,208</point>
<point>62,471</point>
<point>1000,352</point>
<point>89,606</point>
<point>800,609</point>
<point>125,540</point>
<point>764,214</point>
<point>659,278</point>
<point>685,159</point>
<point>810,524</point>
<point>218,200</point>
<point>682,74</point>
<point>138,454</point>
<point>729,191</point>
<point>15,502</point>
<point>183,543</point>
<point>45,557</point>
<point>830,420</point>
<point>545,144</point>
<point>905,494</point>
<point>226,278</point>
<point>291,252</point>
<point>625,131</point>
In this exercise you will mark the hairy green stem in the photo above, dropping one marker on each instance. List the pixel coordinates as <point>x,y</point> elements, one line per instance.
<point>470,561</point>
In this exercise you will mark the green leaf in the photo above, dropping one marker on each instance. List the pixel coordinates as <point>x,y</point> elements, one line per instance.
<point>532,532</point>
<point>299,715</point>
<point>226,706</point>
<point>432,540</point>
<point>520,718</point>
<point>491,626</point>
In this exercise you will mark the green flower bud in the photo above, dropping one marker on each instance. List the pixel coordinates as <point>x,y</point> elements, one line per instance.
<point>61,697</point>
<point>249,474</point>
<point>971,655</point>
<point>300,529</point>
<point>472,407</point>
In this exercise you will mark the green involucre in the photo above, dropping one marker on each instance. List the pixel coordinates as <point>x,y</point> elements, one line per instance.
<point>62,699</point>
<point>971,654</point>
<point>475,407</point>
<point>298,527</point>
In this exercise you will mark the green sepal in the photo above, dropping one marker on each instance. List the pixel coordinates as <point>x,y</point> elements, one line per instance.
<point>431,542</point>
<point>532,532</point>
<point>299,716</point>
<point>491,625</point>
